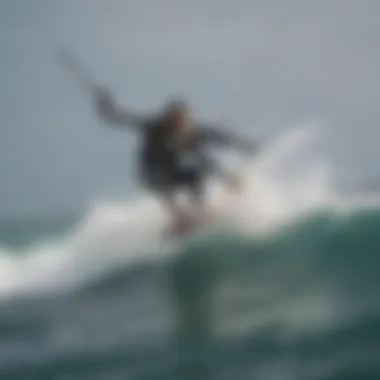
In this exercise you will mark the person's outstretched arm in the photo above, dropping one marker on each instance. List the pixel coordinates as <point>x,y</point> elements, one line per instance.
<point>104,102</point>
<point>218,136</point>
<point>111,113</point>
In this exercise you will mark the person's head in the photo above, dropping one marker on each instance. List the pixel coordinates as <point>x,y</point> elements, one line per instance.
<point>177,113</point>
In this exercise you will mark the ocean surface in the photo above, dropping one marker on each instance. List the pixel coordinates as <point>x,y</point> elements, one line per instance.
<point>287,286</point>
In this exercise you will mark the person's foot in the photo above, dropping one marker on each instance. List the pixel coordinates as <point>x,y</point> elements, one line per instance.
<point>235,183</point>
<point>183,223</point>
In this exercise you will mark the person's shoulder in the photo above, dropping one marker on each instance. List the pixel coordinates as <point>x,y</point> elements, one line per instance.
<point>150,121</point>
<point>206,130</point>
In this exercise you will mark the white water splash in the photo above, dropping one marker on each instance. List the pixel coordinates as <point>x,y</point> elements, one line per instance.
<point>286,180</point>
<point>289,179</point>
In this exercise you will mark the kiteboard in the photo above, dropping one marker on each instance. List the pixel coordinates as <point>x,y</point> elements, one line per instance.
<point>191,223</point>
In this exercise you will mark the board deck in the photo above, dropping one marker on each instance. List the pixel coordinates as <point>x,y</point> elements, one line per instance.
<point>190,226</point>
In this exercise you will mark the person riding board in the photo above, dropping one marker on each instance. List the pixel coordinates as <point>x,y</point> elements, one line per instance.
<point>167,139</point>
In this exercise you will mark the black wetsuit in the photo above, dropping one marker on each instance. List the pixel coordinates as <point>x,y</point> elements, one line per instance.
<point>166,168</point>
<point>163,165</point>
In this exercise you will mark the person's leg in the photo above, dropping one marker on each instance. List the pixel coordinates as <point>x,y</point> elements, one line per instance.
<point>164,184</point>
<point>182,218</point>
<point>192,179</point>
<point>232,181</point>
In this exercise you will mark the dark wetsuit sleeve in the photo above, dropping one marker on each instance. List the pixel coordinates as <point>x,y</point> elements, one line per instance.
<point>216,136</point>
<point>113,114</point>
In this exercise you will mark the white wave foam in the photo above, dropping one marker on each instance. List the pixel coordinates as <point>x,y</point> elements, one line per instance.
<point>284,181</point>
<point>287,180</point>
<point>111,234</point>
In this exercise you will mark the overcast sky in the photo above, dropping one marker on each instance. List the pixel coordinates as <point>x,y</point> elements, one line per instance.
<point>259,64</point>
